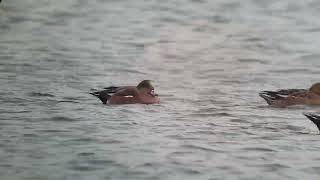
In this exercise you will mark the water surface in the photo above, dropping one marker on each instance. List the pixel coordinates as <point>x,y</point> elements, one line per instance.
<point>208,60</point>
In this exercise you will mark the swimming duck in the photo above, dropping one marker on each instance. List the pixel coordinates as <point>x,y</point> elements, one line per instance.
<point>288,97</point>
<point>314,118</point>
<point>143,93</point>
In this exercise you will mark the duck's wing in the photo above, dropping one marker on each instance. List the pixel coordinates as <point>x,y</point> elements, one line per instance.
<point>314,118</point>
<point>112,89</point>
<point>107,92</point>
<point>290,92</point>
<point>271,96</point>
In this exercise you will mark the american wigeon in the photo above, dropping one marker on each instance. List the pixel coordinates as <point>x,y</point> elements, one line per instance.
<point>143,93</point>
<point>288,97</point>
<point>314,118</point>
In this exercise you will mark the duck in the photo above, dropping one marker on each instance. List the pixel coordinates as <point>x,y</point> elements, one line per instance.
<point>143,93</point>
<point>288,97</point>
<point>314,118</point>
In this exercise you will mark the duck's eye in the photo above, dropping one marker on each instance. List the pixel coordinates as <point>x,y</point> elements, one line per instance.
<point>152,93</point>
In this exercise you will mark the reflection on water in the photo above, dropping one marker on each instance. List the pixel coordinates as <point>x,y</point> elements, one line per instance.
<point>208,60</point>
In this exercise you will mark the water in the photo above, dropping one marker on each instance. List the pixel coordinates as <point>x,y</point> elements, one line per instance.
<point>208,60</point>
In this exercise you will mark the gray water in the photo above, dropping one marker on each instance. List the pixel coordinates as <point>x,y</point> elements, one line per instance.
<point>208,60</point>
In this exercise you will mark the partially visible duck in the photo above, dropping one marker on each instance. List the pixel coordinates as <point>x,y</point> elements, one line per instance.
<point>143,93</point>
<point>314,118</point>
<point>288,97</point>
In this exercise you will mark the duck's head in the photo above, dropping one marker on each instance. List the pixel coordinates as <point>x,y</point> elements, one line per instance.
<point>315,88</point>
<point>145,87</point>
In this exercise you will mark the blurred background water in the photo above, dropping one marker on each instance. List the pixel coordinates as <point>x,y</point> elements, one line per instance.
<point>208,59</point>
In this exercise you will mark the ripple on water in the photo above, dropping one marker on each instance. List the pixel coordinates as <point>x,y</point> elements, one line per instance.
<point>86,154</point>
<point>211,114</point>
<point>84,164</point>
<point>30,135</point>
<point>310,56</point>
<point>254,39</point>
<point>110,141</point>
<point>294,71</point>
<point>313,170</point>
<point>84,140</point>
<point>273,167</point>
<point>293,128</point>
<point>53,131</point>
<point>252,60</point>
<point>38,94</point>
<point>192,147</point>
<point>18,19</point>
<point>62,119</point>
<point>258,149</point>
<point>14,112</point>
<point>190,171</point>
<point>239,120</point>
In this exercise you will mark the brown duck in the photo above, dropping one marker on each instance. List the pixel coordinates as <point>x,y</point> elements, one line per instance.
<point>143,93</point>
<point>288,97</point>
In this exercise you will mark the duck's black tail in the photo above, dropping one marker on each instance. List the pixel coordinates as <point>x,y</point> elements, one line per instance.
<point>102,95</point>
<point>105,94</point>
<point>314,118</point>
<point>270,96</point>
